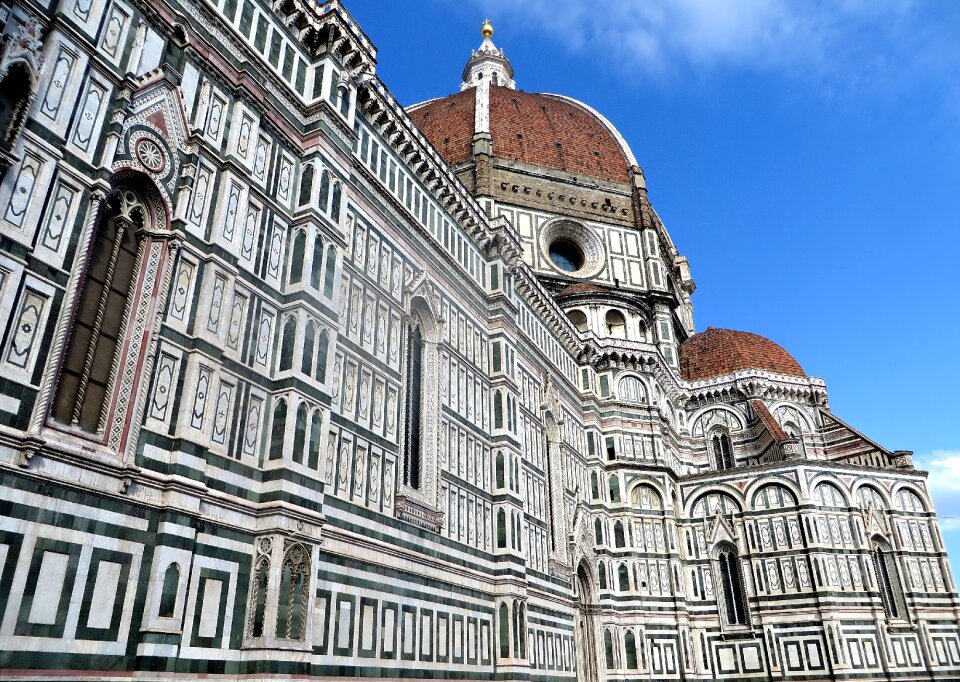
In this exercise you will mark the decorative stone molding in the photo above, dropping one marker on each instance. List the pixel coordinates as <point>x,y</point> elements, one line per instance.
<point>411,508</point>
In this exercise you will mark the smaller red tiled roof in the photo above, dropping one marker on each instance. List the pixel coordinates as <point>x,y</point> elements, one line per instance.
<point>769,421</point>
<point>718,352</point>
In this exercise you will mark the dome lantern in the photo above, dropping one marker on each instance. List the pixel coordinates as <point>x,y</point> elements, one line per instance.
<point>487,63</point>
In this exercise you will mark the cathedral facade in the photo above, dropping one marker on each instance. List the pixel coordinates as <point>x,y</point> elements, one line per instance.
<point>298,381</point>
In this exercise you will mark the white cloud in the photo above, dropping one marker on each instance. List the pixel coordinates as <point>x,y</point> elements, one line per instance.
<point>851,41</point>
<point>944,484</point>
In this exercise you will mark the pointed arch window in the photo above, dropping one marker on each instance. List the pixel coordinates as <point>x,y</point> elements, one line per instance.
<point>297,255</point>
<point>330,270</point>
<point>258,596</point>
<point>500,473</point>
<point>594,486</point>
<point>15,98</point>
<point>300,434</point>
<point>309,339</point>
<point>306,185</point>
<point>618,537</point>
<point>322,350</point>
<point>414,446</point>
<point>602,576</point>
<point>630,649</point>
<point>888,580</point>
<point>623,578</point>
<point>285,362</point>
<point>504,626</point>
<point>168,595</point>
<point>598,531</point>
<point>731,586</point>
<point>277,429</point>
<point>614,488</point>
<point>324,190</point>
<point>95,337</point>
<point>522,629</point>
<point>316,269</point>
<point>501,529</point>
<point>335,201</point>
<point>316,438</point>
<point>608,648</point>
<point>294,597</point>
<point>722,450</point>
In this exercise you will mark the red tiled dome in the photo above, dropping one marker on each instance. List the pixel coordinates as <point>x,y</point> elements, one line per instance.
<point>717,352</point>
<point>544,130</point>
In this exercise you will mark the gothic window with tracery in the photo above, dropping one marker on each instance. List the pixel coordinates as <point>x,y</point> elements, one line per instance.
<point>734,606</point>
<point>99,322</point>
<point>258,590</point>
<point>630,650</point>
<point>722,450</point>
<point>888,579</point>
<point>294,596</point>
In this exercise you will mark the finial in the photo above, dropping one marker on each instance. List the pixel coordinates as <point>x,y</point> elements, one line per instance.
<point>487,29</point>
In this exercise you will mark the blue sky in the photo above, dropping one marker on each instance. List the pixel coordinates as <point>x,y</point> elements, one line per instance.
<point>804,156</point>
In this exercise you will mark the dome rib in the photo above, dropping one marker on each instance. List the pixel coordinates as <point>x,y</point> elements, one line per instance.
<point>719,352</point>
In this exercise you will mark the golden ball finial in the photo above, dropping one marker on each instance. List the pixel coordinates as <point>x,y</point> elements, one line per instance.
<point>487,29</point>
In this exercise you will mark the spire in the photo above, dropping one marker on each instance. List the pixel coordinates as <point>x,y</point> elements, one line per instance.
<point>487,63</point>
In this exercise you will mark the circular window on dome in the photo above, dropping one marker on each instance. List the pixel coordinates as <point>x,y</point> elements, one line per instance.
<point>571,248</point>
<point>566,254</point>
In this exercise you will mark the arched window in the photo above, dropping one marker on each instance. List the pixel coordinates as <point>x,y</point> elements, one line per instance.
<point>168,595</point>
<point>602,576</point>
<point>316,439</point>
<point>578,318</point>
<point>309,338</point>
<point>598,531</point>
<point>258,596</point>
<point>630,649</point>
<point>614,488</point>
<point>594,486</point>
<point>909,501</point>
<point>329,272</point>
<point>646,498</point>
<point>324,198</point>
<point>731,586</point>
<point>335,201</point>
<point>100,314</point>
<point>316,271</point>
<point>631,390</point>
<point>306,185</point>
<point>516,628</point>
<point>501,529</point>
<point>294,596</point>
<point>888,580</point>
<point>616,324</point>
<point>300,434</point>
<point>497,409</point>
<point>322,349</point>
<point>285,361</point>
<point>500,477</point>
<point>277,429</point>
<point>618,537</point>
<point>722,450</point>
<point>297,255</point>
<point>414,446</point>
<point>522,628</point>
<point>828,495</point>
<point>608,648</point>
<point>623,578</point>
<point>867,495</point>
<point>504,618</point>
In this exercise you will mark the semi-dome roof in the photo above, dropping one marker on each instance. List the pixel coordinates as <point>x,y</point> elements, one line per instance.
<point>535,128</point>
<point>717,352</point>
